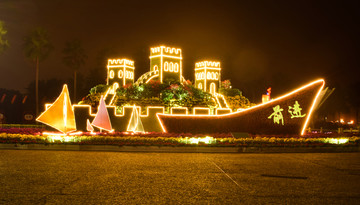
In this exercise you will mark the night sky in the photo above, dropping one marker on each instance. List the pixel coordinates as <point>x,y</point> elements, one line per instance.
<point>278,44</point>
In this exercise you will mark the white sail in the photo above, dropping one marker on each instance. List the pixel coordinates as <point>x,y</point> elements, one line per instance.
<point>102,119</point>
<point>135,124</point>
<point>88,126</point>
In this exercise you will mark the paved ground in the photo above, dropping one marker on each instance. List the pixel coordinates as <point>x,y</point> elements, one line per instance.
<point>65,177</point>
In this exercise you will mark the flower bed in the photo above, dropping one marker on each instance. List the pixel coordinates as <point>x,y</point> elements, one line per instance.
<point>179,140</point>
<point>16,130</point>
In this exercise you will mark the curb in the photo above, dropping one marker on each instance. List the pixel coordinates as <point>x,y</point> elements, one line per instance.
<point>168,149</point>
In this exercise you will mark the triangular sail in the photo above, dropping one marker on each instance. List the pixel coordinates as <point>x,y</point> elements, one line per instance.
<point>88,126</point>
<point>60,115</point>
<point>135,124</point>
<point>102,119</point>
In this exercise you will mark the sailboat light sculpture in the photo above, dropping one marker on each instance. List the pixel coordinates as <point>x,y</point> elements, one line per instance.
<point>89,127</point>
<point>102,119</point>
<point>135,124</point>
<point>60,115</point>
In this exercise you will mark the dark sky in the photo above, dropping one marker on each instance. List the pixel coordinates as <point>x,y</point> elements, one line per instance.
<point>281,44</point>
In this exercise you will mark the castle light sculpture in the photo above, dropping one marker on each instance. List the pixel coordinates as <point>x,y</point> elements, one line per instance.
<point>288,114</point>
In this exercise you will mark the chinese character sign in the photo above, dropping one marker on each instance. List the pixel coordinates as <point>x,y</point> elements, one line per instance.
<point>277,115</point>
<point>295,112</point>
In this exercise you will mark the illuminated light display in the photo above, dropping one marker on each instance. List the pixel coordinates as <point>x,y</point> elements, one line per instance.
<point>54,138</point>
<point>220,111</point>
<point>152,77</point>
<point>102,119</point>
<point>168,61</point>
<point>124,69</point>
<point>197,140</point>
<point>112,99</point>
<point>313,105</point>
<point>75,133</point>
<point>209,64</point>
<point>121,74</point>
<point>145,77</point>
<point>337,141</point>
<point>295,111</point>
<point>220,96</point>
<point>112,74</point>
<point>89,127</point>
<point>149,118</point>
<point>167,56</point>
<point>265,98</point>
<point>207,73</point>
<point>171,67</point>
<point>54,134</point>
<point>166,65</point>
<point>64,138</point>
<point>167,50</point>
<point>249,120</point>
<point>126,62</point>
<point>286,114</point>
<point>179,110</point>
<point>277,115</point>
<point>60,115</point>
<point>201,111</point>
<point>120,121</point>
<point>135,124</point>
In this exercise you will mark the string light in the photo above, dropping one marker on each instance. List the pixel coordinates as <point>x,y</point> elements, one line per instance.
<point>264,104</point>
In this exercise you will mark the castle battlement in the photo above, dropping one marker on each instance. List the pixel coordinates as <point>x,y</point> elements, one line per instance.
<point>120,62</point>
<point>166,50</point>
<point>148,115</point>
<point>120,72</point>
<point>207,76</point>
<point>206,64</point>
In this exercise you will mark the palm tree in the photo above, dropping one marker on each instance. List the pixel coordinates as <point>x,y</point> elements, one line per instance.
<point>4,44</point>
<point>37,47</point>
<point>74,58</point>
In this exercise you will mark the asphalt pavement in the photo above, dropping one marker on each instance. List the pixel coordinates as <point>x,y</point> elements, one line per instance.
<point>77,177</point>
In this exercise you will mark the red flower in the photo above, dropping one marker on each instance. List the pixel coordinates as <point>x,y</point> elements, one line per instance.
<point>174,86</point>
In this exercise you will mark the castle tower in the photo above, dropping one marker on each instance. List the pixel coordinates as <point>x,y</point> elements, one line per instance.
<point>120,72</point>
<point>208,76</point>
<point>168,61</point>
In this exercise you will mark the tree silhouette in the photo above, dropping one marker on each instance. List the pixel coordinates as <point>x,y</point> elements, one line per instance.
<point>37,47</point>
<point>4,44</point>
<point>74,58</point>
<point>97,74</point>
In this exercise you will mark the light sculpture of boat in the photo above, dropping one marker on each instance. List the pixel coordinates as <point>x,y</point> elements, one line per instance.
<point>60,115</point>
<point>288,114</point>
<point>102,119</point>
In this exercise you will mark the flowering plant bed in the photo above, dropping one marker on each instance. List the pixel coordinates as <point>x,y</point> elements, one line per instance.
<point>22,130</point>
<point>152,139</point>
